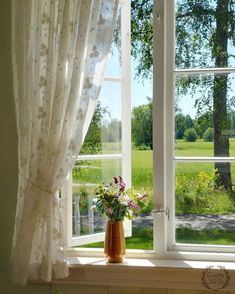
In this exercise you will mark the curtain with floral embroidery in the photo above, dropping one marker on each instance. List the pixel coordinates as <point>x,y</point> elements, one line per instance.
<point>59,50</point>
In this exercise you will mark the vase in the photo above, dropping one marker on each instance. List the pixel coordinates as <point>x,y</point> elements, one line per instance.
<point>114,246</point>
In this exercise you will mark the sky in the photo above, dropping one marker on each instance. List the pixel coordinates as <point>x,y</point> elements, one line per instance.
<point>140,90</point>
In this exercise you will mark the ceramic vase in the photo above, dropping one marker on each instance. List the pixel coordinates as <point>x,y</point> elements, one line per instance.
<point>114,246</point>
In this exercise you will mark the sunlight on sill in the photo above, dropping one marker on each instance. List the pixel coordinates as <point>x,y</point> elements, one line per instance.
<point>148,262</point>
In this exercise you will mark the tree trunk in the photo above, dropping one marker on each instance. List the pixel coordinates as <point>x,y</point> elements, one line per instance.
<point>220,114</point>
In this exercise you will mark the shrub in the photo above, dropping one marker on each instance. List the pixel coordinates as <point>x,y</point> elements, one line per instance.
<point>142,147</point>
<point>208,136</point>
<point>190,135</point>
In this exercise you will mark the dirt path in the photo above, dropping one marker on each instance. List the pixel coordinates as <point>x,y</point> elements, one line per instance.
<point>193,221</point>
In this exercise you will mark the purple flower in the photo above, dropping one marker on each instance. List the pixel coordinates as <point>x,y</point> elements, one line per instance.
<point>118,180</point>
<point>115,180</point>
<point>132,205</point>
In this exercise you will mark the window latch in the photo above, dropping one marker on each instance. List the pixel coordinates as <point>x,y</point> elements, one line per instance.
<point>161,210</point>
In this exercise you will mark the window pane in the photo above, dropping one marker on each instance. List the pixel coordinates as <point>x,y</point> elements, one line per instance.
<point>114,63</point>
<point>86,175</point>
<point>205,115</point>
<point>204,37</point>
<point>142,227</point>
<point>86,220</point>
<point>104,134</point>
<point>205,210</point>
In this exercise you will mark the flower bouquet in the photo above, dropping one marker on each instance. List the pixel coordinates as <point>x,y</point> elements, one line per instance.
<point>118,204</point>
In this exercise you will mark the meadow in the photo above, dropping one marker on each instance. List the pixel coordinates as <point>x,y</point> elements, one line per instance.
<point>194,192</point>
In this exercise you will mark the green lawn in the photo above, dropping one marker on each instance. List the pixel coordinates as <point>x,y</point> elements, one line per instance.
<point>143,238</point>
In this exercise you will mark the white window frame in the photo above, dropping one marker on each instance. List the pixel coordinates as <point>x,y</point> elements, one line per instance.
<point>125,156</point>
<point>164,73</point>
<point>163,142</point>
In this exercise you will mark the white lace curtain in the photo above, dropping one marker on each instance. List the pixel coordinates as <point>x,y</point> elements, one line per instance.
<point>59,50</point>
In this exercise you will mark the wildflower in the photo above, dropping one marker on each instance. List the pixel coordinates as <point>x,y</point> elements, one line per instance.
<point>117,203</point>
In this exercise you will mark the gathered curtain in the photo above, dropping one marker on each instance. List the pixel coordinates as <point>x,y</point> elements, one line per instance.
<point>59,51</point>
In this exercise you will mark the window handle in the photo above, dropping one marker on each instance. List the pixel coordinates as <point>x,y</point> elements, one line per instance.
<point>158,18</point>
<point>162,210</point>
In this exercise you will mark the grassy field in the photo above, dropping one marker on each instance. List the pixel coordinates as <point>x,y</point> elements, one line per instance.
<point>194,193</point>
<point>143,238</point>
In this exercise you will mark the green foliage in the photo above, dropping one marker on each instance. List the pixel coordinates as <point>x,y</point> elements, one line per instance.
<point>92,143</point>
<point>142,36</point>
<point>142,125</point>
<point>203,122</point>
<point>182,123</point>
<point>200,194</point>
<point>208,135</point>
<point>190,135</point>
<point>179,126</point>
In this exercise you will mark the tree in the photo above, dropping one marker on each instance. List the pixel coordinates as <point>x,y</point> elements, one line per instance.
<point>142,125</point>
<point>204,28</point>
<point>190,135</point>
<point>113,131</point>
<point>208,136</point>
<point>179,126</point>
<point>182,123</point>
<point>203,122</point>
<point>93,140</point>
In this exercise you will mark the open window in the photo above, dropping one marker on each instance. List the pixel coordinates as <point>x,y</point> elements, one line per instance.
<point>193,92</point>
<point>106,151</point>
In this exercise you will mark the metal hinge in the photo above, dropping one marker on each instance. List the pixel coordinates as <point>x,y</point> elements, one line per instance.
<point>161,210</point>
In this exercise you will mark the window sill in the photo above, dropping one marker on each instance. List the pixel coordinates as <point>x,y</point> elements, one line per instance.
<point>143,272</point>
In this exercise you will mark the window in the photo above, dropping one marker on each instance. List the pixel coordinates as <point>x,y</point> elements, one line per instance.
<point>106,151</point>
<point>193,133</point>
<point>194,72</point>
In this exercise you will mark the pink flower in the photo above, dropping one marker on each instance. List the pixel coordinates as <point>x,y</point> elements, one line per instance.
<point>109,210</point>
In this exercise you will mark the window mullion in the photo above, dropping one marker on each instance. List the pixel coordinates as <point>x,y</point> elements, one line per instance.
<point>169,121</point>
<point>204,159</point>
<point>126,91</point>
<point>163,67</point>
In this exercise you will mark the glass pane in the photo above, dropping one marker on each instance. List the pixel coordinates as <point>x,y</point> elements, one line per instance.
<point>142,175</point>
<point>86,220</point>
<point>205,203</point>
<point>205,115</point>
<point>104,134</point>
<point>204,37</point>
<point>86,175</point>
<point>114,63</point>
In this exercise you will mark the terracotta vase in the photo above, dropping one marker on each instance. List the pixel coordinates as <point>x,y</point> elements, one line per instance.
<point>114,246</point>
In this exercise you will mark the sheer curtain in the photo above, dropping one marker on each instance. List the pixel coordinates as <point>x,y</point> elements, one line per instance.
<point>59,50</point>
